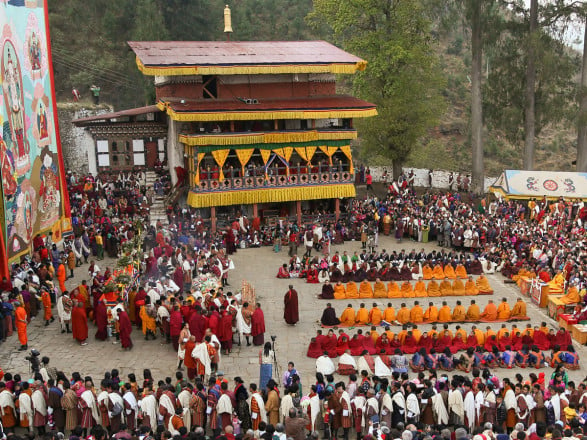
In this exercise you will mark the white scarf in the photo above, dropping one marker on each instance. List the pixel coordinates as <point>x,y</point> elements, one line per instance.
<point>510,400</point>
<point>555,401</point>
<point>39,402</point>
<point>345,396</point>
<point>386,403</point>
<point>166,402</point>
<point>325,365</point>
<point>286,405</point>
<point>469,404</point>
<point>347,359</point>
<point>6,399</point>
<point>200,352</point>
<point>371,402</point>
<point>261,405</point>
<point>412,405</point>
<point>440,409</point>
<point>241,325</point>
<point>90,400</point>
<point>149,408</point>
<point>185,398</point>
<point>130,398</point>
<point>224,405</point>
<point>26,408</point>
<point>314,409</point>
<point>455,402</point>
<point>363,365</point>
<point>116,398</point>
<point>381,370</point>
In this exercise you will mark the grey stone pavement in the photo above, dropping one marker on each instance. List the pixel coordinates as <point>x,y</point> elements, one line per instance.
<point>259,266</point>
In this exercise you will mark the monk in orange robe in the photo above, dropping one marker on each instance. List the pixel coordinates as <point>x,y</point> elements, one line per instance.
<point>503,311</point>
<point>461,333</point>
<point>61,276</point>
<point>420,289</point>
<point>449,272</point>
<point>379,290</point>
<point>48,313</point>
<point>446,288</point>
<point>479,335</point>
<point>374,335</point>
<point>557,284</point>
<point>427,272</point>
<point>458,288</point>
<point>433,290</point>
<point>365,290</point>
<point>375,315</point>
<point>459,313</point>
<point>417,314</point>
<point>572,296</point>
<point>471,287</point>
<point>351,290</point>
<point>502,331</point>
<point>389,314</point>
<point>362,317</point>
<point>461,272</point>
<point>519,309</point>
<point>403,314</point>
<point>438,273</point>
<point>416,333</point>
<point>483,284</point>
<point>407,291</point>
<point>20,318</point>
<point>431,313</point>
<point>339,291</point>
<point>489,332</point>
<point>444,314</point>
<point>473,312</point>
<point>490,312</point>
<point>393,290</point>
<point>348,316</point>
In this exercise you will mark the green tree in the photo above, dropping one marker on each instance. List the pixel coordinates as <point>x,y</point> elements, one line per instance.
<point>402,77</point>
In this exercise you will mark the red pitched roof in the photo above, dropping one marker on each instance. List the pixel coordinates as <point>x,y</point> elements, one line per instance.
<point>239,53</point>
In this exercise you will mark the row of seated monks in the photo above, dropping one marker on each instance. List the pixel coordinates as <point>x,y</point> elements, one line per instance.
<point>417,314</point>
<point>556,286</point>
<point>407,290</point>
<point>412,340</point>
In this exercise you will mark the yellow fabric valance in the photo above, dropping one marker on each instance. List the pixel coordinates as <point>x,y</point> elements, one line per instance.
<point>306,153</point>
<point>284,152</point>
<point>199,159</point>
<point>265,138</point>
<point>329,151</point>
<point>270,195</point>
<point>346,150</point>
<point>243,157</point>
<point>346,68</point>
<point>220,157</point>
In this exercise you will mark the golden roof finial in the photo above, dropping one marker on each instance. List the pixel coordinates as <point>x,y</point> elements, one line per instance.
<point>227,22</point>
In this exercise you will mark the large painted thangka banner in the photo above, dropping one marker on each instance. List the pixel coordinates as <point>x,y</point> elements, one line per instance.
<point>33,181</point>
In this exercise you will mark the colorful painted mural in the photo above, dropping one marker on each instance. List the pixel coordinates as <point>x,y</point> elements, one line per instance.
<point>34,194</point>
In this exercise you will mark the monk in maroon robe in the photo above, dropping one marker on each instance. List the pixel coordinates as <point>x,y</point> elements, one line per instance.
<point>101,321</point>
<point>226,332</point>
<point>356,346</point>
<point>198,324</point>
<point>541,340</point>
<point>329,344</point>
<point>79,323</point>
<point>342,343</point>
<point>291,312</point>
<point>258,326</point>
<point>175,326</point>
<point>314,350</point>
<point>124,329</point>
<point>139,302</point>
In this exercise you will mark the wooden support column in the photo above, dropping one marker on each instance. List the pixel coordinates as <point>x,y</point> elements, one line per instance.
<point>336,208</point>
<point>299,212</point>
<point>255,210</point>
<point>213,218</point>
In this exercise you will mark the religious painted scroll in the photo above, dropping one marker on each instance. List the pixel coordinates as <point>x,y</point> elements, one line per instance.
<point>33,180</point>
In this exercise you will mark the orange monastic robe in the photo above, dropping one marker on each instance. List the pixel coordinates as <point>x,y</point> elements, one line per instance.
<point>393,290</point>
<point>461,272</point>
<point>379,290</point>
<point>365,290</point>
<point>446,288</point>
<point>519,310</point>
<point>375,316</point>
<point>471,288</point>
<point>420,290</point>
<point>433,289</point>
<point>21,324</point>
<point>403,315</point>
<point>459,313</point>
<point>458,288</point>
<point>449,272</point>
<point>407,291</point>
<point>362,316</point>
<point>431,314</point>
<point>503,311</point>
<point>483,284</point>
<point>473,313</point>
<point>389,314</point>
<point>426,272</point>
<point>351,290</point>
<point>438,273</point>
<point>417,315</point>
<point>339,291</point>
<point>348,317</point>
<point>490,312</point>
<point>572,296</point>
<point>444,314</point>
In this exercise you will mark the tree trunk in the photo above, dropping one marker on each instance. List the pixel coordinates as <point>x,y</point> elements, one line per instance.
<point>476,104</point>
<point>397,168</point>
<point>530,122</point>
<point>582,135</point>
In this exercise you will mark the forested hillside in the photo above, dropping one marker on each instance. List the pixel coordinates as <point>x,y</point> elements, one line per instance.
<point>419,72</point>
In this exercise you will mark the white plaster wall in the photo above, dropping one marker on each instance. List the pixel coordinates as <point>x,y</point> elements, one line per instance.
<point>439,177</point>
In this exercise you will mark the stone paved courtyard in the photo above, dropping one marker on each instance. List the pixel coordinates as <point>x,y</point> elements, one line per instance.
<point>259,266</point>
